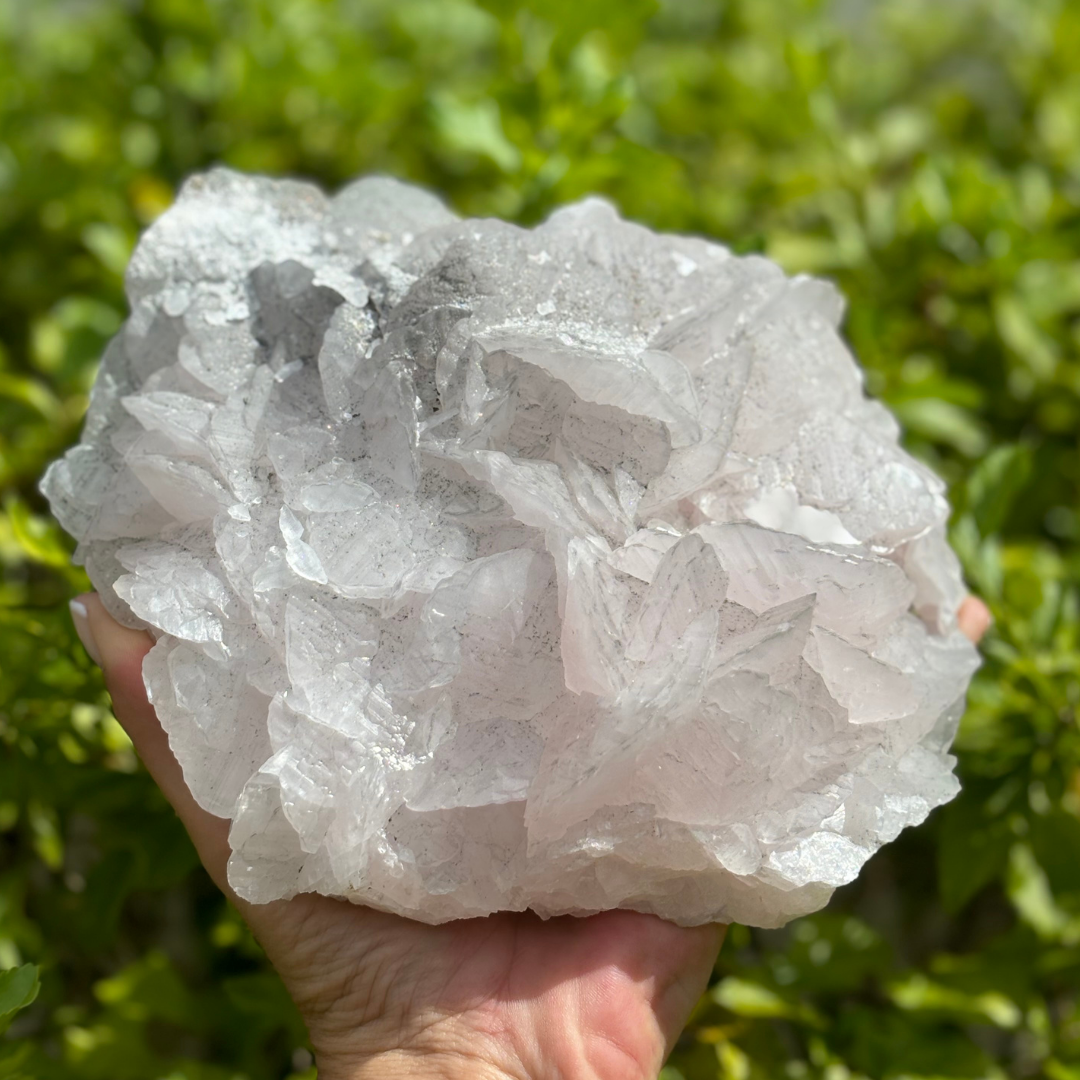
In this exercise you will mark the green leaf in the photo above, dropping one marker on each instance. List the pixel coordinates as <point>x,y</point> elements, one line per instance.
<point>475,128</point>
<point>1055,843</point>
<point>18,988</point>
<point>1024,337</point>
<point>943,422</point>
<point>973,849</point>
<point>39,538</point>
<point>1029,890</point>
<point>995,483</point>
<point>31,393</point>
<point>1058,1070</point>
<point>750,999</point>
<point>111,244</point>
<point>919,994</point>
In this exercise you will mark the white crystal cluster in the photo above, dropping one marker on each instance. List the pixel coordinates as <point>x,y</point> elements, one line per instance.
<point>490,568</point>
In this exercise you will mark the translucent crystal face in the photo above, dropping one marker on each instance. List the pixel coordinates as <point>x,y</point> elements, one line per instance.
<point>491,568</point>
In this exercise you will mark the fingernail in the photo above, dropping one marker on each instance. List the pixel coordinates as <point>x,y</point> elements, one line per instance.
<point>81,618</point>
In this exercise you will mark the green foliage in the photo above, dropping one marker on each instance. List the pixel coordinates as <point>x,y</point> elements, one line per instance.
<point>924,154</point>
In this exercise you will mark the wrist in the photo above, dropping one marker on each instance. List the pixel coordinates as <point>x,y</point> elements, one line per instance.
<point>411,1065</point>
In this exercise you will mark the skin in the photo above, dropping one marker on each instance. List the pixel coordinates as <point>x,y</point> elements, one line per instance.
<point>508,997</point>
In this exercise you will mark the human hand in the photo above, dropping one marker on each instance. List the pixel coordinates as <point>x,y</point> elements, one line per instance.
<point>509,997</point>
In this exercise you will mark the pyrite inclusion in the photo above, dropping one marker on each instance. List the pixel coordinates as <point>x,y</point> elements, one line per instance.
<point>566,568</point>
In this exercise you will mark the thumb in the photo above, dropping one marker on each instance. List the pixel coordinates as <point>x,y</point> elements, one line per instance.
<point>119,651</point>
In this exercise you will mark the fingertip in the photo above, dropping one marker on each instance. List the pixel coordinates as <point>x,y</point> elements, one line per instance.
<point>118,650</point>
<point>974,618</point>
<point>80,618</point>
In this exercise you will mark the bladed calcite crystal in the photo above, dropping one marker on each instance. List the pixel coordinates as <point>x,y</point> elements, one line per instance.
<point>490,568</point>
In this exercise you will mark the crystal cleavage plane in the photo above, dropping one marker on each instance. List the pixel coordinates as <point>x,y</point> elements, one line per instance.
<point>490,568</point>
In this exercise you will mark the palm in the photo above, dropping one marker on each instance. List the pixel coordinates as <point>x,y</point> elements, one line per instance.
<point>590,998</point>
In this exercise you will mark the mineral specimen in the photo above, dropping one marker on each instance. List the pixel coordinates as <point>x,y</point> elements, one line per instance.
<point>490,568</point>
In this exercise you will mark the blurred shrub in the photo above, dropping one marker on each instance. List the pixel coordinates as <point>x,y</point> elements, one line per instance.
<point>925,154</point>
